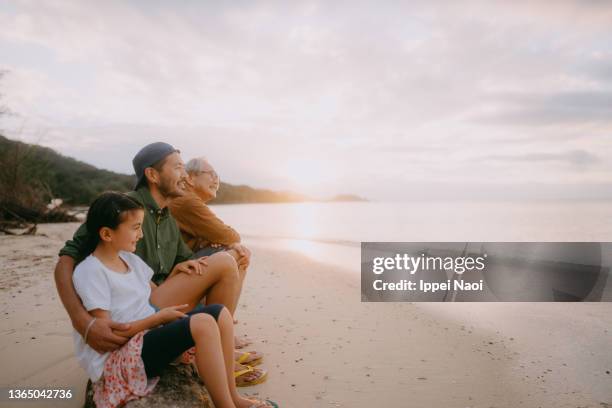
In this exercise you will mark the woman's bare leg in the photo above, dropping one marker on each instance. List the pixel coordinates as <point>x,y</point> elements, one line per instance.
<point>241,276</point>
<point>242,270</point>
<point>219,282</point>
<point>210,359</point>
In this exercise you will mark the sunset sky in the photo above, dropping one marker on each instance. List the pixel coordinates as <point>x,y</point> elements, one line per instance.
<point>388,100</point>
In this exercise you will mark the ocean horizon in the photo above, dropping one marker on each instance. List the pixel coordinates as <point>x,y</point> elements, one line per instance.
<point>332,232</point>
<point>349,223</point>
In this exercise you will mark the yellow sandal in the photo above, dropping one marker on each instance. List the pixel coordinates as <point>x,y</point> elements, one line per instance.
<point>242,382</point>
<point>244,359</point>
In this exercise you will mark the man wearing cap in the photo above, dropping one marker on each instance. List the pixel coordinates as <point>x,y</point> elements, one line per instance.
<point>161,177</point>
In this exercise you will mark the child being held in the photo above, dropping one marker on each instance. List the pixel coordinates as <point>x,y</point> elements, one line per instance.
<point>113,283</point>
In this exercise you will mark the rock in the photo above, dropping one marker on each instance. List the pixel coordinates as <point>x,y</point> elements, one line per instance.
<point>179,386</point>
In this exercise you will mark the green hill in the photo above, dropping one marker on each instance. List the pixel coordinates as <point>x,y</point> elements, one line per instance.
<point>28,169</point>
<point>73,181</point>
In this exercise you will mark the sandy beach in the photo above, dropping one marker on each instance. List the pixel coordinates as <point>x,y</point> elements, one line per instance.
<point>324,348</point>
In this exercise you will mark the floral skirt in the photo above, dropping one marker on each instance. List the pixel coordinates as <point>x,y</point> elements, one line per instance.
<point>124,377</point>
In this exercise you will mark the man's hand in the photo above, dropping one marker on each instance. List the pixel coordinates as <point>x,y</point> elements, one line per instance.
<point>244,255</point>
<point>101,337</point>
<point>193,265</point>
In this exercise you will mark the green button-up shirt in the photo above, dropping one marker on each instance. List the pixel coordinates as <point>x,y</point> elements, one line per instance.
<point>161,246</point>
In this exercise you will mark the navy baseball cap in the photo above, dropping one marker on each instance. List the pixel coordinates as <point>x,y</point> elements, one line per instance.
<point>148,156</point>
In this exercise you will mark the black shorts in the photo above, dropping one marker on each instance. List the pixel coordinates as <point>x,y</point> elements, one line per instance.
<point>164,344</point>
<point>208,251</point>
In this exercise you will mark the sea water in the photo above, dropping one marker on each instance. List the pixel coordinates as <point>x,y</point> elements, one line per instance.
<point>332,231</point>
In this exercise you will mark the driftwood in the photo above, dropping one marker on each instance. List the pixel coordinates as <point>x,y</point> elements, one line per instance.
<point>16,219</point>
<point>17,228</point>
<point>12,211</point>
<point>179,386</point>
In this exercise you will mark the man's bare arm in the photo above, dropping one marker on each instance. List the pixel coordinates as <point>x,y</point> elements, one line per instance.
<point>71,301</point>
<point>100,336</point>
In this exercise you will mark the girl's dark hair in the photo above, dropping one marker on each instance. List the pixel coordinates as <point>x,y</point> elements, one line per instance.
<point>107,210</point>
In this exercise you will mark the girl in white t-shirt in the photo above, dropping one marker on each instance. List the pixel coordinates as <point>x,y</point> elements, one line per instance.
<point>114,283</point>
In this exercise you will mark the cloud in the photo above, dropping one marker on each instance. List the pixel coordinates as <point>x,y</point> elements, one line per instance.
<point>362,91</point>
<point>575,157</point>
<point>529,109</point>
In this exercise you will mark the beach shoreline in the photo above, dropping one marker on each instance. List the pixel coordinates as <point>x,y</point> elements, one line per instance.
<point>323,347</point>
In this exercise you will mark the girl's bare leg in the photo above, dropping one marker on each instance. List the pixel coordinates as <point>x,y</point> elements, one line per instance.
<point>210,359</point>
<point>226,330</point>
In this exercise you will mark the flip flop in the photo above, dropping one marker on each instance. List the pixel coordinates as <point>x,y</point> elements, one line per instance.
<point>244,358</point>
<point>241,382</point>
<point>269,403</point>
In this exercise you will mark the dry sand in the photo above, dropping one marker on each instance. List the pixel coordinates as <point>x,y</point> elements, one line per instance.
<point>324,348</point>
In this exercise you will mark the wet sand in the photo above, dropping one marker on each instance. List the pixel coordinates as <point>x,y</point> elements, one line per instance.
<point>324,348</point>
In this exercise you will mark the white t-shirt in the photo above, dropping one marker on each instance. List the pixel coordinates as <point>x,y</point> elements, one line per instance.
<point>124,295</point>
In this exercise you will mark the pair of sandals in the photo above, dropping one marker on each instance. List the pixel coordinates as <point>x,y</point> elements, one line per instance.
<point>248,360</point>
